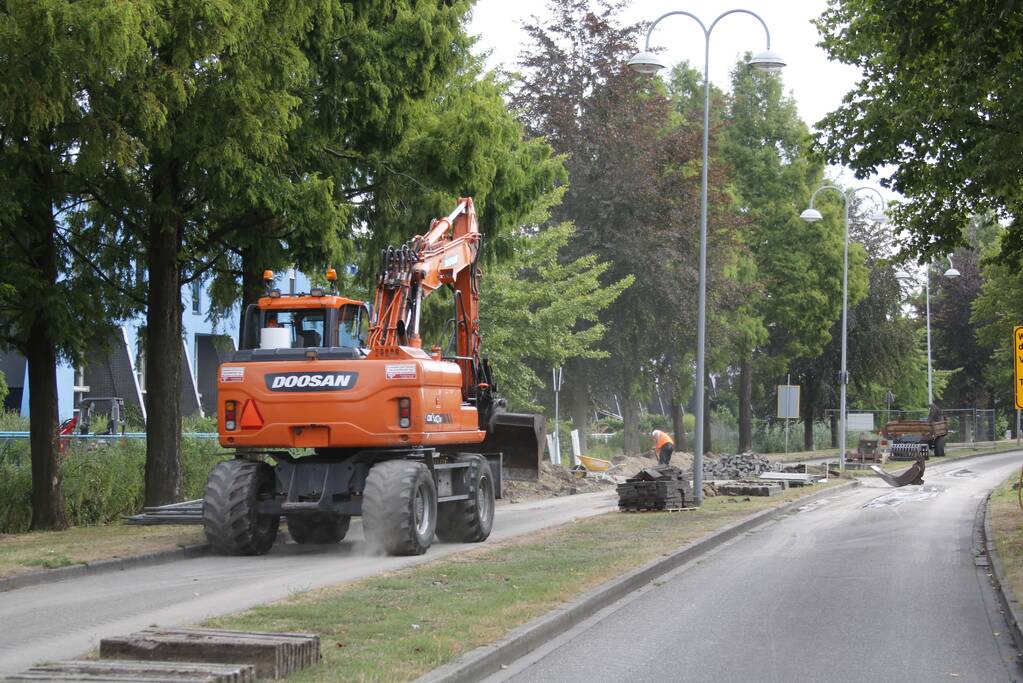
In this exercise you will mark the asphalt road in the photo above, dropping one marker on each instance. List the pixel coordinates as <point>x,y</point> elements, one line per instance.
<point>877,584</point>
<point>63,620</point>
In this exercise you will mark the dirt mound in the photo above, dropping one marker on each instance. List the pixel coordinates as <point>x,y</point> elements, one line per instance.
<point>629,465</point>
<point>554,481</point>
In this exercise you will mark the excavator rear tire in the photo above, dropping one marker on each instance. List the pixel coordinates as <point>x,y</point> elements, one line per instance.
<point>230,516</point>
<point>469,521</point>
<point>319,528</point>
<point>399,507</point>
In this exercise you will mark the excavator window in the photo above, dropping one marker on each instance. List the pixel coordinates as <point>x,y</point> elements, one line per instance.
<point>305,327</point>
<point>351,326</point>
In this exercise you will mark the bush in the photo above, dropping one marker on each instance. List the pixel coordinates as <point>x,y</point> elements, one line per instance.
<point>102,480</point>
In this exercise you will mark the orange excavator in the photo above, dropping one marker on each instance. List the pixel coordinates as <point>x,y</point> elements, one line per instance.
<point>415,442</point>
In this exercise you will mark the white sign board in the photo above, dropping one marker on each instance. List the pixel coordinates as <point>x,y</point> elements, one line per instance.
<point>788,401</point>
<point>860,422</point>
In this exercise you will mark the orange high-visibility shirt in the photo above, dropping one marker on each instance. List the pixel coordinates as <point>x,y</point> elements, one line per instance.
<point>660,438</point>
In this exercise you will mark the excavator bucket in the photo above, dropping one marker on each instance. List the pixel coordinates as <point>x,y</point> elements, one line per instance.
<point>913,475</point>
<point>520,438</point>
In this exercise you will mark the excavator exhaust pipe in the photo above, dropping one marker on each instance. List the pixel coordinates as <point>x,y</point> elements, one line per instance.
<point>520,437</point>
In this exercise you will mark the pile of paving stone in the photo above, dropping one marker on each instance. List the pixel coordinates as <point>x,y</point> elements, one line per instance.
<point>656,488</point>
<point>740,466</point>
<point>751,488</point>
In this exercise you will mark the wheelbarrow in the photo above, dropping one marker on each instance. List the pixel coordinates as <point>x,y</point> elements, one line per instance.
<point>590,465</point>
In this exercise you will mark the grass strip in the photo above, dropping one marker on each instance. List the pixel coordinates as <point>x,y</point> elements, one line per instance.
<point>1007,527</point>
<point>20,553</point>
<point>401,625</point>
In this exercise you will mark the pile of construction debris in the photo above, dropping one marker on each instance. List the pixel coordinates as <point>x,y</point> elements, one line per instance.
<point>656,488</point>
<point>746,465</point>
<point>554,481</point>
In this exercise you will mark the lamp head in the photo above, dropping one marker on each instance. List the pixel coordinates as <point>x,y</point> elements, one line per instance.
<point>646,62</point>
<point>878,217</point>
<point>811,215</point>
<point>951,273</point>
<point>768,60</point>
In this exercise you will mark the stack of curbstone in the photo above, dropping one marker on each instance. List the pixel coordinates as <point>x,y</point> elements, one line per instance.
<point>656,488</point>
<point>740,466</point>
<point>751,488</point>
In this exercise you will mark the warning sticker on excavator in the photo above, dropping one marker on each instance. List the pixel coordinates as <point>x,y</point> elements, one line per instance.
<point>232,374</point>
<point>1017,365</point>
<point>400,371</point>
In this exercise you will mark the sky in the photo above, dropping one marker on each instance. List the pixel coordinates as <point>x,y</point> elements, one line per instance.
<point>816,84</point>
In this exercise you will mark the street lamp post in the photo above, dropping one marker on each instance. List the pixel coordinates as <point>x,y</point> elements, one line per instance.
<point>812,215</point>
<point>646,62</point>
<point>951,273</point>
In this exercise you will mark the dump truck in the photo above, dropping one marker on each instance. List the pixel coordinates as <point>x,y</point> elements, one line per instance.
<point>415,442</point>
<point>911,438</point>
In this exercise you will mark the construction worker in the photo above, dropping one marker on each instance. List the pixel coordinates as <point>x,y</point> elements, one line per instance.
<point>664,445</point>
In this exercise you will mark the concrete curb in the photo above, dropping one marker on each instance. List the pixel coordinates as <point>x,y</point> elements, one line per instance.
<point>487,659</point>
<point>1013,612</point>
<point>103,566</point>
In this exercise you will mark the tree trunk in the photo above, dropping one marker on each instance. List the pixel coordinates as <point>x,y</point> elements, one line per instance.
<point>41,353</point>
<point>630,416</point>
<point>252,286</point>
<point>810,400</point>
<point>707,442</point>
<point>679,424</point>
<point>163,348</point>
<point>746,403</point>
<point>47,478</point>
<point>579,399</point>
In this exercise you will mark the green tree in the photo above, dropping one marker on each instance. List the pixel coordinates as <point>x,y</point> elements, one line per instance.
<point>55,55</point>
<point>798,265</point>
<point>937,102</point>
<point>995,312</point>
<point>208,114</point>
<point>537,311</point>
<point>633,193</point>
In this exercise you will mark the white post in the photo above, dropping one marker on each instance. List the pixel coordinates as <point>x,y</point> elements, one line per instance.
<point>576,448</point>
<point>556,377</point>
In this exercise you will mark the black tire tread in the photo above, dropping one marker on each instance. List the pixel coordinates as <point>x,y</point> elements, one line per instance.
<point>387,519</point>
<point>230,521</point>
<point>459,521</point>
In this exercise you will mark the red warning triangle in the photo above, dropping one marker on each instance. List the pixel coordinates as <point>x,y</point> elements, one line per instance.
<point>251,419</point>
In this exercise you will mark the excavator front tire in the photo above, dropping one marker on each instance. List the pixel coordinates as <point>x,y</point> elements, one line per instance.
<point>469,521</point>
<point>399,507</point>
<point>318,528</point>
<point>230,515</point>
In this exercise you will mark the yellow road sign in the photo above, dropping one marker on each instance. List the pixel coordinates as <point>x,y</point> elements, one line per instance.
<point>1017,365</point>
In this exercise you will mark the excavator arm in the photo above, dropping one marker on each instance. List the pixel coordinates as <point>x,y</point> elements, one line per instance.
<point>447,255</point>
